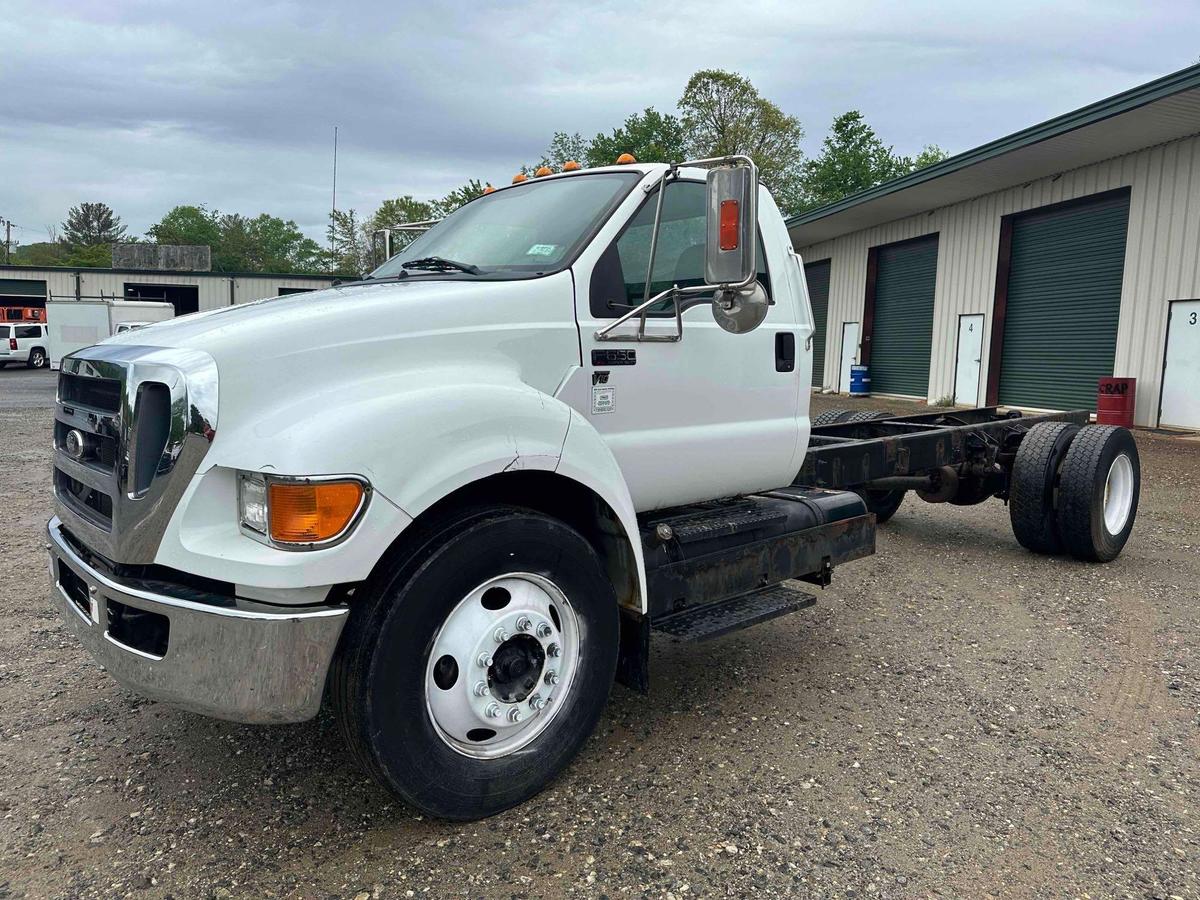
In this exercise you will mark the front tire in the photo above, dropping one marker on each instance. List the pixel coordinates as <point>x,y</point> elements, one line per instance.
<point>443,684</point>
<point>1098,492</point>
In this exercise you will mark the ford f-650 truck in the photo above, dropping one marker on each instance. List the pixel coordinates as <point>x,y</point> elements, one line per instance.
<point>574,411</point>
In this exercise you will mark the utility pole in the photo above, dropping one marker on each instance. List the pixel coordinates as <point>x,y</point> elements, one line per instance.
<point>7,242</point>
<point>334,207</point>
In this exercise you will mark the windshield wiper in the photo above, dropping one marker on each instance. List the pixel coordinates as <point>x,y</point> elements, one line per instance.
<point>441,264</point>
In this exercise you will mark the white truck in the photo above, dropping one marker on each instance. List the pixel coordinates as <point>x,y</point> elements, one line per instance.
<point>75,324</point>
<point>573,411</point>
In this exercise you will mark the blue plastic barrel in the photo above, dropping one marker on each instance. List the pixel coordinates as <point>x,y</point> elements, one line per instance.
<point>860,381</point>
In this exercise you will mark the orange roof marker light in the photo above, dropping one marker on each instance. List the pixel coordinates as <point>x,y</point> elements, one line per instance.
<point>519,177</point>
<point>571,166</point>
<point>625,159</point>
<point>488,189</point>
<point>543,171</point>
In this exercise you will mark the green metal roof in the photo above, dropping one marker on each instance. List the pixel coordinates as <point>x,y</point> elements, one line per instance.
<point>1168,85</point>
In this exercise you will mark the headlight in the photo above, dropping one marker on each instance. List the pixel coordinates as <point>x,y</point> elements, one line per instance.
<point>300,513</point>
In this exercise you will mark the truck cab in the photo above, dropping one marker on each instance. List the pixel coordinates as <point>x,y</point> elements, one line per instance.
<point>569,413</point>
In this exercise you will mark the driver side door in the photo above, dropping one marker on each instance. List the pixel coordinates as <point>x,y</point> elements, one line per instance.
<point>712,415</point>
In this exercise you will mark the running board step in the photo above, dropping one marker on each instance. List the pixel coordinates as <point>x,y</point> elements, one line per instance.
<point>703,623</point>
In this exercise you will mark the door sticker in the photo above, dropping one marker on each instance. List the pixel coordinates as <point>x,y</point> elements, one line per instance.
<point>602,399</point>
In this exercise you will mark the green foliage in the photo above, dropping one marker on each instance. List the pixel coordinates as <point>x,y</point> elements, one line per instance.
<point>89,224</point>
<point>854,158</point>
<point>46,253</point>
<point>458,197</point>
<point>564,148</point>
<point>723,114</point>
<point>650,136</point>
<point>264,243</point>
<point>349,253</point>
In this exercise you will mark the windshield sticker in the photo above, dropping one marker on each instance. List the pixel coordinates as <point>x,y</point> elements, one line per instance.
<point>541,250</point>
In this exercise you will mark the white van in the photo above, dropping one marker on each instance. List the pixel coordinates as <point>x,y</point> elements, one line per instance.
<point>23,342</point>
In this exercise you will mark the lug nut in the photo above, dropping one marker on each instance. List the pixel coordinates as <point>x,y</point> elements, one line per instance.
<point>554,651</point>
<point>481,689</point>
<point>544,630</point>
<point>551,677</point>
<point>514,715</point>
<point>493,711</point>
<point>485,660</point>
<point>523,623</point>
<point>536,702</point>
<point>500,635</point>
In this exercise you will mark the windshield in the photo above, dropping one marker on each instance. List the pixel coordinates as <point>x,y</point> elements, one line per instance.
<point>533,228</point>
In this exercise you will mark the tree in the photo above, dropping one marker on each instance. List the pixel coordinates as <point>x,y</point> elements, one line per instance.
<point>853,158</point>
<point>89,224</point>
<point>724,114</point>
<point>349,254</point>
<point>460,196</point>
<point>650,136</point>
<point>196,225</point>
<point>264,243</point>
<point>564,148</point>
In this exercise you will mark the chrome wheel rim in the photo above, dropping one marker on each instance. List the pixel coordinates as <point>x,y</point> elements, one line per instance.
<point>1118,494</point>
<point>501,665</point>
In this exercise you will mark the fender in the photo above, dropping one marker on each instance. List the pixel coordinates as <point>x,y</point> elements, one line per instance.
<point>417,438</point>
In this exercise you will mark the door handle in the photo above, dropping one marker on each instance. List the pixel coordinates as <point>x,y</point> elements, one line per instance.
<point>785,351</point>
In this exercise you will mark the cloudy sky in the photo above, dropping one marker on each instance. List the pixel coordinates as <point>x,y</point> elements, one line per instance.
<point>145,105</point>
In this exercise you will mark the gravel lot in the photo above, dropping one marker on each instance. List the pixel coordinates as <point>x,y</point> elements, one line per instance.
<point>955,717</point>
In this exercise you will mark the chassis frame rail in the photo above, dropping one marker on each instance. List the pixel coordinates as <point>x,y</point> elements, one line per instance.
<point>850,454</point>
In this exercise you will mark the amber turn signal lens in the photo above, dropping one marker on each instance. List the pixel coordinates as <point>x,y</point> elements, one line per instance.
<point>310,512</point>
<point>625,159</point>
<point>571,166</point>
<point>488,189</point>
<point>730,224</point>
<point>543,171</point>
<point>519,177</point>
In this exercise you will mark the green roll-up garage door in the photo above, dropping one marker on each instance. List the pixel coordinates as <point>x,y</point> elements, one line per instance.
<point>1064,299</point>
<point>817,275</point>
<point>902,325</point>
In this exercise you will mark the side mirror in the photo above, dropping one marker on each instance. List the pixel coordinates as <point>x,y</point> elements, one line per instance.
<point>732,216</point>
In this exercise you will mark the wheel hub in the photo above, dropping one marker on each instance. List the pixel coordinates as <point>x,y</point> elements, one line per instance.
<point>516,668</point>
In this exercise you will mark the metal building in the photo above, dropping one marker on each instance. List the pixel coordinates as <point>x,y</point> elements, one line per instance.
<point>1024,270</point>
<point>29,286</point>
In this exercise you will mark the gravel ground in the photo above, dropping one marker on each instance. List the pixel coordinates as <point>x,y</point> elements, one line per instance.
<point>956,717</point>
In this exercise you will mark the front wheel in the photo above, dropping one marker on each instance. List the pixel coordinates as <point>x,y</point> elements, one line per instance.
<point>474,669</point>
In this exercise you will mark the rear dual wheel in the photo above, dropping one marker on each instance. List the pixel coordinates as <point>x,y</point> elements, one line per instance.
<point>1075,489</point>
<point>472,671</point>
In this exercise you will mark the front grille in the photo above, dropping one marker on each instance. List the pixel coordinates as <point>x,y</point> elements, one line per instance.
<point>99,393</point>
<point>144,418</point>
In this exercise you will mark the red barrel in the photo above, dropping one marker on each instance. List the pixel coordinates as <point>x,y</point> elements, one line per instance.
<point>1114,401</point>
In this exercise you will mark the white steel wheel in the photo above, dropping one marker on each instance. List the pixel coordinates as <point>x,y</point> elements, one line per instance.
<point>502,664</point>
<point>1118,494</point>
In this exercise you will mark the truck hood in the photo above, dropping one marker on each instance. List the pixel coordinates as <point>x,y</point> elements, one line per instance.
<point>324,341</point>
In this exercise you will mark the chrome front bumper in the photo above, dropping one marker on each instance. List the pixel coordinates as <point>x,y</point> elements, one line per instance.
<point>231,659</point>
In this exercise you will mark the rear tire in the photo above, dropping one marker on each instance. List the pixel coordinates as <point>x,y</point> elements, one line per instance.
<point>411,720</point>
<point>1033,493</point>
<point>830,417</point>
<point>37,358</point>
<point>1098,491</point>
<point>3,365</point>
<point>883,503</point>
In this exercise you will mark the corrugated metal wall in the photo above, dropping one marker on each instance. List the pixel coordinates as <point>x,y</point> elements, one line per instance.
<point>1162,261</point>
<point>215,290</point>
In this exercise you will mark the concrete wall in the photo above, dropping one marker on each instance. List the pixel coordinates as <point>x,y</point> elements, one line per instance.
<point>1162,261</point>
<point>177,257</point>
<point>215,290</point>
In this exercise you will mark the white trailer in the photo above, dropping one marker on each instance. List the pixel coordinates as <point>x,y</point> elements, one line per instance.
<point>75,324</point>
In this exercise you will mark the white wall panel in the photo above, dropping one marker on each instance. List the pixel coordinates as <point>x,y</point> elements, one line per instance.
<point>1162,261</point>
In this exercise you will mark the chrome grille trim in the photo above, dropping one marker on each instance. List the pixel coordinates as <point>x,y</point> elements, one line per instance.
<point>139,514</point>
